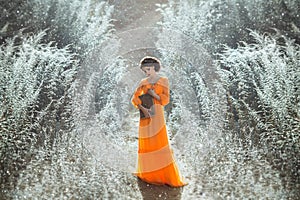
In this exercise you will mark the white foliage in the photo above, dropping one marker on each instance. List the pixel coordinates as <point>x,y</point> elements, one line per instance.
<point>70,171</point>
<point>28,71</point>
<point>35,82</point>
<point>217,22</point>
<point>87,158</point>
<point>205,145</point>
<point>84,24</point>
<point>265,68</point>
<point>263,86</point>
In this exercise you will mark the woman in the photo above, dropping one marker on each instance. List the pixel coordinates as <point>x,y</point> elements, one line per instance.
<point>156,163</point>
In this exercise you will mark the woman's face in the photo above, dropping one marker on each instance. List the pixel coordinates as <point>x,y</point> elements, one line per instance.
<point>149,71</point>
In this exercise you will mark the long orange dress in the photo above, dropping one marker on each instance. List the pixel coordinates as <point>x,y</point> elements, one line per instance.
<point>156,164</point>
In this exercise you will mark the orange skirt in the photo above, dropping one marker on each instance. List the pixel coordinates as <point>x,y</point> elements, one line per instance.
<point>156,164</point>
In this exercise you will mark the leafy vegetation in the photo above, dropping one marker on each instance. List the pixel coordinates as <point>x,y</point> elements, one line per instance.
<point>65,102</point>
<point>36,80</point>
<point>256,90</point>
<point>263,89</point>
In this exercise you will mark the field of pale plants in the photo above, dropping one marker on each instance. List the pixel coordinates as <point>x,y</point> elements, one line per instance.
<point>68,130</point>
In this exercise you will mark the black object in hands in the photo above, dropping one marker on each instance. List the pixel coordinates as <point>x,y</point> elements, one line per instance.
<point>147,102</point>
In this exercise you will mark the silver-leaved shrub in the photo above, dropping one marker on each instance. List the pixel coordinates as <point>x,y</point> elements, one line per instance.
<point>251,107</point>
<point>262,80</point>
<point>36,80</point>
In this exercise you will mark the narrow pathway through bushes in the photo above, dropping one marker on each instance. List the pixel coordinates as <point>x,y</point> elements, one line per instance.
<point>134,22</point>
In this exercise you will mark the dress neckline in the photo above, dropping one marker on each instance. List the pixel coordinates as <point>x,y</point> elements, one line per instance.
<point>159,77</point>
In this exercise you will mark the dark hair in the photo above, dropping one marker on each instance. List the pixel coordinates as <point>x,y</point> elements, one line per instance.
<point>150,61</point>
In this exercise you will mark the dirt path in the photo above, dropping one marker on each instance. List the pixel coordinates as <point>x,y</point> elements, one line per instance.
<point>134,21</point>
<point>133,24</point>
<point>132,14</point>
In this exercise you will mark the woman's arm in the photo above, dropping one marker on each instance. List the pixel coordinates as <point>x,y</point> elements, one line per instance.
<point>152,93</point>
<point>165,95</point>
<point>135,100</point>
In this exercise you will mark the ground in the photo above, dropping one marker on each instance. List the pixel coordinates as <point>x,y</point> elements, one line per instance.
<point>134,22</point>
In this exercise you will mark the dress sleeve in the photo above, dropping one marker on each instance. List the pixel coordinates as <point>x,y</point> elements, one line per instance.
<point>165,95</point>
<point>135,100</point>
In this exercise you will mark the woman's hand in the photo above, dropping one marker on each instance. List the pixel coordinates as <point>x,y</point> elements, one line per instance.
<point>152,93</point>
<point>145,111</point>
